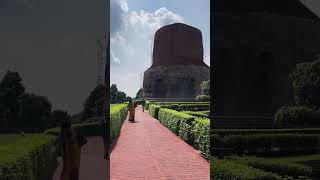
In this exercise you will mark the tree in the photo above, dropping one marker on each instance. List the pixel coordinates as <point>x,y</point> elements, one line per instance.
<point>93,105</point>
<point>306,83</point>
<point>139,94</point>
<point>35,112</point>
<point>120,97</point>
<point>11,91</point>
<point>57,117</point>
<point>205,87</point>
<point>113,93</point>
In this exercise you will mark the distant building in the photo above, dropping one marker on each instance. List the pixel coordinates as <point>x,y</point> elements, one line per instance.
<point>177,66</point>
<point>256,44</point>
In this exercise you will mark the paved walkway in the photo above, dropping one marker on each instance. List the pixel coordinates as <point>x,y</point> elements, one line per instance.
<point>146,150</point>
<point>93,165</point>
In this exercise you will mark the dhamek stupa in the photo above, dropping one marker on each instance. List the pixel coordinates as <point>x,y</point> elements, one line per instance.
<point>177,65</point>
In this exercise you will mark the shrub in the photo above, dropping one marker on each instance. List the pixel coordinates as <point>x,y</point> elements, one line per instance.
<point>228,170</point>
<point>171,119</point>
<point>266,144</point>
<point>154,110</point>
<point>118,113</point>
<point>199,114</point>
<point>85,129</point>
<point>203,98</point>
<point>187,107</point>
<point>201,131</point>
<point>274,166</point>
<point>224,132</point>
<point>30,157</point>
<point>296,116</point>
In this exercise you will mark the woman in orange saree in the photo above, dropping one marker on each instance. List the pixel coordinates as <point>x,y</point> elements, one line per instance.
<point>131,109</point>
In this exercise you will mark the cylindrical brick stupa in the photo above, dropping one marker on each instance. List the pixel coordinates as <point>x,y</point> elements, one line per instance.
<point>177,66</point>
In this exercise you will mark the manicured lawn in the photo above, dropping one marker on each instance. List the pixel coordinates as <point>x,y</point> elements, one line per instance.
<point>9,138</point>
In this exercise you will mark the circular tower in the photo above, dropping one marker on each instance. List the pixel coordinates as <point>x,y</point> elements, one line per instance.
<point>177,64</point>
<point>256,46</point>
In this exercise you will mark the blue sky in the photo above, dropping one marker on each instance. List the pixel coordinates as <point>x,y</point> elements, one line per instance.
<point>132,27</point>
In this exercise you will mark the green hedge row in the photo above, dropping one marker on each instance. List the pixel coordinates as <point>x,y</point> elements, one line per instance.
<point>187,107</point>
<point>274,166</point>
<point>154,110</point>
<point>223,132</point>
<point>28,158</point>
<point>85,129</point>
<point>265,144</point>
<point>200,114</point>
<point>193,130</point>
<point>118,114</point>
<point>228,170</point>
<point>201,133</point>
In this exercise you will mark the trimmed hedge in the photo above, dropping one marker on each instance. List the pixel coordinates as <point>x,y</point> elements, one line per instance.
<point>274,166</point>
<point>118,114</point>
<point>228,170</point>
<point>195,131</point>
<point>154,110</point>
<point>187,107</point>
<point>223,132</point>
<point>201,133</point>
<point>171,119</point>
<point>296,116</point>
<point>199,114</point>
<point>85,129</point>
<point>265,144</point>
<point>28,158</point>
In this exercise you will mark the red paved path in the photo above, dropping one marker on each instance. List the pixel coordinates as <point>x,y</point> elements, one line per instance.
<point>93,166</point>
<point>146,150</point>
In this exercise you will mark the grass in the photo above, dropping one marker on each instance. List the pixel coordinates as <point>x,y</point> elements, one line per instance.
<point>6,139</point>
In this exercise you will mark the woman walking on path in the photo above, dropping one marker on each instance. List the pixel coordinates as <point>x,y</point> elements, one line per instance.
<point>70,148</point>
<point>131,109</point>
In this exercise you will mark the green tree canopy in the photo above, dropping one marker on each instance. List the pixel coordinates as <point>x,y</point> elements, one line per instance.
<point>205,87</point>
<point>57,117</point>
<point>93,105</point>
<point>139,94</point>
<point>11,90</point>
<point>306,83</point>
<point>35,112</point>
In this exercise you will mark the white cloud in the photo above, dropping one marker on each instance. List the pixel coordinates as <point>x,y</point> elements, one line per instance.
<point>114,59</point>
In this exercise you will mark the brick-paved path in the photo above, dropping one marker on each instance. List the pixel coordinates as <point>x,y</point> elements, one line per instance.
<point>146,150</point>
<point>93,166</point>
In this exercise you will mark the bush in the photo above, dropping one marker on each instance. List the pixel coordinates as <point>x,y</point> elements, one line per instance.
<point>171,119</point>
<point>85,129</point>
<point>187,107</point>
<point>266,144</point>
<point>228,170</point>
<point>201,133</point>
<point>224,132</point>
<point>154,110</point>
<point>118,114</point>
<point>274,166</point>
<point>30,157</point>
<point>296,116</point>
<point>203,98</point>
<point>199,114</point>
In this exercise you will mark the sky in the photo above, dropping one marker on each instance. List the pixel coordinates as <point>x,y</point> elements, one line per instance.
<point>52,44</point>
<point>132,27</point>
